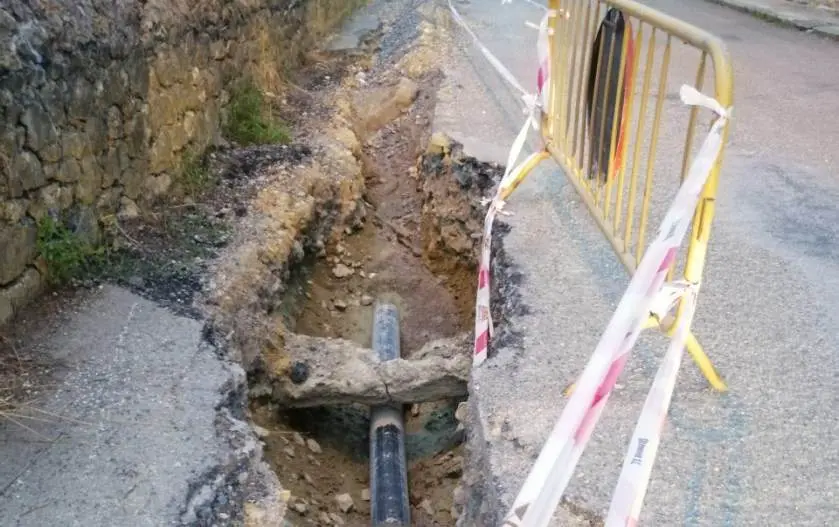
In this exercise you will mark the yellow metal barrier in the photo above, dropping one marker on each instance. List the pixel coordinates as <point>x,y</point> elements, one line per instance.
<point>625,119</point>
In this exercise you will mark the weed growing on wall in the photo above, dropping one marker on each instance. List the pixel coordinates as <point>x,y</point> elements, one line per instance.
<point>195,177</point>
<point>67,254</point>
<point>250,121</point>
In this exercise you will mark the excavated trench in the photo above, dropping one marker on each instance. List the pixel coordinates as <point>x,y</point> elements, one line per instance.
<point>417,249</point>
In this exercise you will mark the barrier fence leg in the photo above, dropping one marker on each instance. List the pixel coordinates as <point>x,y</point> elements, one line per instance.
<point>704,364</point>
<point>696,352</point>
<point>526,168</point>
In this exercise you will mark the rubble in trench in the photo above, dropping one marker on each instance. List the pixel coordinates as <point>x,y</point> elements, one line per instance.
<point>380,210</point>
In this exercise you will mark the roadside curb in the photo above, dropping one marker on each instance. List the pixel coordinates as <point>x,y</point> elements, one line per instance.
<point>785,18</point>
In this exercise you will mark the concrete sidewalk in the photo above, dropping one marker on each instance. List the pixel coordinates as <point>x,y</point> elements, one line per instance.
<point>149,431</point>
<point>823,22</point>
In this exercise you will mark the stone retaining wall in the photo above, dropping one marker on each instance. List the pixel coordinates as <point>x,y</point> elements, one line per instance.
<point>101,99</point>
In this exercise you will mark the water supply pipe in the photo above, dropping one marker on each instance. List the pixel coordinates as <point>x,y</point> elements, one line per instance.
<point>388,468</point>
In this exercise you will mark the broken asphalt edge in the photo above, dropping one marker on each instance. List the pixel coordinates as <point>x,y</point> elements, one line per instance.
<point>243,478</point>
<point>762,11</point>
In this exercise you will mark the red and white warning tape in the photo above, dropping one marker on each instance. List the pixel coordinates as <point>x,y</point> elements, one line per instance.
<point>634,478</point>
<point>550,474</point>
<point>534,105</point>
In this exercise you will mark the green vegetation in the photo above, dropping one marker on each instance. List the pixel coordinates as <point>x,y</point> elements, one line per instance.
<point>195,177</point>
<point>250,121</point>
<point>67,254</point>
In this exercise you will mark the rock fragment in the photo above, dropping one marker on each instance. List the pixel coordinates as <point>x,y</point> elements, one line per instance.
<point>425,505</point>
<point>260,432</point>
<point>345,502</point>
<point>342,271</point>
<point>300,507</point>
<point>313,446</point>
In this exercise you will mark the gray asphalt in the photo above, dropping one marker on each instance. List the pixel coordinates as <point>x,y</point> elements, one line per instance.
<point>766,453</point>
<point>134,435</point>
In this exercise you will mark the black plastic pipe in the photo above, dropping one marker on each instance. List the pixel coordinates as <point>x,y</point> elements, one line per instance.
<point>388,469</point>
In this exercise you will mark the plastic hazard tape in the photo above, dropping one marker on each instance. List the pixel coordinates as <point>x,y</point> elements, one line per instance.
<point>634,478</point>
<point>550,474</point>
<point>534,105</point>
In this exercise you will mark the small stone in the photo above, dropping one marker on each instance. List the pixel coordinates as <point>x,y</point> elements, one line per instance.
<point>425,505</point>
<point>299,372</point>
<point>339,304</point>
<point>415,410</point>
<point>461,412</point>
<point>128,210</point>
<point>289,451</point>
<point>313,446</point>
<point>342,271</point>
<point>365,495</point>
<point>406,92</point>
<point>438,144</point>
<point>324,519</point>
<point>345,502</point>
<point>300,507</point>
<point>454,469</point>
<point>459,496</point>
<point>336,520</point>
<point>260,432</point>
<point>366,300</point>
<point>298,439</point>
<point>308,479</point>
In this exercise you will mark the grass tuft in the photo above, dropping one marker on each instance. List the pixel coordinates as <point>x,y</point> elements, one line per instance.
<point>195,178</point>
<point>67,255</point>
<point>250,121</point>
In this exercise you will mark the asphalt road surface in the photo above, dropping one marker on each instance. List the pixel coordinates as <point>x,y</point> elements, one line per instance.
<point>767,452</point>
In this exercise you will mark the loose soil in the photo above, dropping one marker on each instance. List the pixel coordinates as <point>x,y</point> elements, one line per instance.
<point>338,465</point>
<point>382,260</point>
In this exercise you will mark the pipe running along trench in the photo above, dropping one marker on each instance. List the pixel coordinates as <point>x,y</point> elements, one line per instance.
<point>388,467</point>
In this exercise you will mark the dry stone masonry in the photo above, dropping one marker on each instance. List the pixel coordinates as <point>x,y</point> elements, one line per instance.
<point>101,101</point>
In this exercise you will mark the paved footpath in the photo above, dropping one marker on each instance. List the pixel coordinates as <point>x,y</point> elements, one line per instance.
<point>147,433</point>
<point>767,453</point>
<point>820,20</point>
